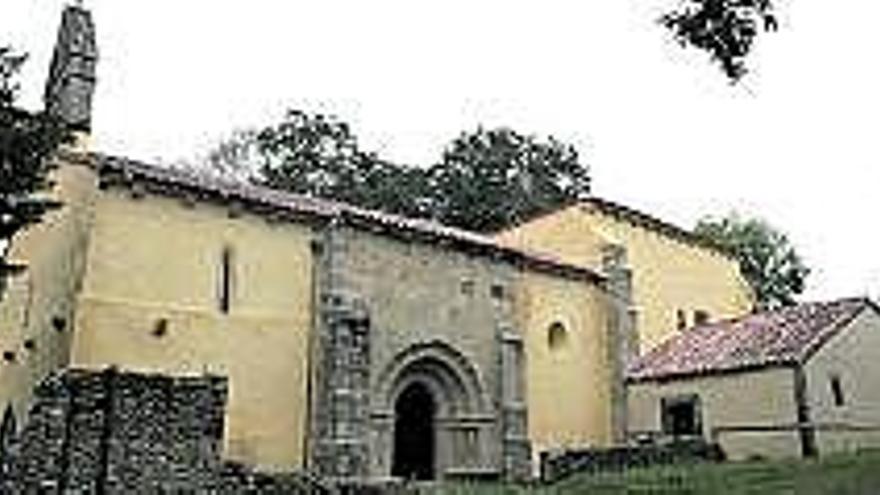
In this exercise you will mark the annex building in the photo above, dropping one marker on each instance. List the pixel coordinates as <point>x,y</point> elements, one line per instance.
<point>355,343</point>
<point>797,381</point>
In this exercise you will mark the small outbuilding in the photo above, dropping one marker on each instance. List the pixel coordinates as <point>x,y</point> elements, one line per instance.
<point>797,381</point>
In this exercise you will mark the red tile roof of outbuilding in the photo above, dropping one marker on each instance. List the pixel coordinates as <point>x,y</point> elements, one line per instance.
<point>774,338</point>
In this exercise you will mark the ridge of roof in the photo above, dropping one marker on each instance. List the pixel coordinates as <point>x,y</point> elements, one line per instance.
<point>651,222</point>
<point>783,337</point>
<point>327,210</point>
<point>632,215</point>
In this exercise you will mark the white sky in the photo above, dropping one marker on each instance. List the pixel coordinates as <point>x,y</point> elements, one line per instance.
<point>660,128</point>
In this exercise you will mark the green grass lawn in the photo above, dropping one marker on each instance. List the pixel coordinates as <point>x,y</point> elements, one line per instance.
<point>851,474</point>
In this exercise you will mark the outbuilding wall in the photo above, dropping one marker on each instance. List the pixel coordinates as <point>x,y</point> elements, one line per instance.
<point>853,356</point>
<point>760,405</point>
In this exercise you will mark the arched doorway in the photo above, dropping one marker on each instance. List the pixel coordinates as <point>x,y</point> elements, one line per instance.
<point>427,399</point>
<point>414,435</point>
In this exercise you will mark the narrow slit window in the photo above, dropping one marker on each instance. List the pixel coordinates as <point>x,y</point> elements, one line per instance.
<point>225,299</point>
<point>496,291</point>
<point>837,391</point>
<point>556,335</point>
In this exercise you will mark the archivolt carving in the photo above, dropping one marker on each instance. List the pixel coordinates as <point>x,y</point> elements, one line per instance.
<point>447,373</point>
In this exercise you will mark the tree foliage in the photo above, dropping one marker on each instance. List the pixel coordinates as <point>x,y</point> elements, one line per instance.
<point>767,260</point>
<point>492,178</point>
<point>318,156</point>
<point>26,141</point>
<point>725,29</point>
<point>484,180</point>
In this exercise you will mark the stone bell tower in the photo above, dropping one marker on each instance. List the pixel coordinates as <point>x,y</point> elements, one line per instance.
<point>72,76</point>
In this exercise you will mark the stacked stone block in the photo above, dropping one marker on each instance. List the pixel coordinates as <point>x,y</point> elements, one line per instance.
<point>107,432</point>
<point>87,431</point>
<point>342,405</point>
<point>559,465</point>
<point>42,468</point>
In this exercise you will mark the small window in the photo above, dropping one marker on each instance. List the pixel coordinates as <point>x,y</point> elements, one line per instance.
<point>59,323</point>
<point>160,329</point>
<point>496,291</point>
<point>701,317</point>
<point>681,416</point>
<point>557,335</point>
<point>467,287</point>
<point>225,296</point>
<point>681,319</point>
<point>837,390</point>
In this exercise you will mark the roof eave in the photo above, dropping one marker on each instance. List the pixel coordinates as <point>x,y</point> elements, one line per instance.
<point>113,173</point>
<point>708,373</point>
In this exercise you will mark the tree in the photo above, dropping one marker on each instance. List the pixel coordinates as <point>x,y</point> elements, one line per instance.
<point>726,29</point>
<point>26,142</point>
<point>484,181</point>
<point>318,156</point>
<point>767,260</point>
<point>494,178</point>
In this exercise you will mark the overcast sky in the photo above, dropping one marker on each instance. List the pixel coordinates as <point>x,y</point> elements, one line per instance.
<point>660,128</point>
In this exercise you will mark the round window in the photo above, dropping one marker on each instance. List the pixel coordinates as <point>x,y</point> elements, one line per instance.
<point>557,335</point>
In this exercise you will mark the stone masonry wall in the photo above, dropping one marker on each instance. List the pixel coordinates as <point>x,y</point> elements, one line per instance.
<point>113,432</point>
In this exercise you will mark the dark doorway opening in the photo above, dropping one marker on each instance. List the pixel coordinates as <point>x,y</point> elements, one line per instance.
<point>414,434</point>
<point>681,416</point>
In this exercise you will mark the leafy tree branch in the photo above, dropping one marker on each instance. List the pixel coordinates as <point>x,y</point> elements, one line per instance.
<point>767,260</point>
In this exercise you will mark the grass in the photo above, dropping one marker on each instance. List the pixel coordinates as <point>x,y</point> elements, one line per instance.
<point>843,474</point>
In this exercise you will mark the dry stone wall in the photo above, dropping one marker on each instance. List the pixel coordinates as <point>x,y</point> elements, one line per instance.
<point>108,432</point>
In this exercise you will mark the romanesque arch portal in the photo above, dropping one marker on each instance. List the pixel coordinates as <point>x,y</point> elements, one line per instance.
<point>433,420</point>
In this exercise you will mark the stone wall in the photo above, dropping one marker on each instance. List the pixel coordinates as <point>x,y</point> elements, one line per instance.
<point>556,466</point>
<point>398,312</point>
<point>115,432</point>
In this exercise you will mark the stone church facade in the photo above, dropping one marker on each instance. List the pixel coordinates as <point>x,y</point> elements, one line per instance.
<point>356,344</point>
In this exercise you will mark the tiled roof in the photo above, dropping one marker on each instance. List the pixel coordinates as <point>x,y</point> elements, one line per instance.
<point>781,337</point>
<point>204,186</point>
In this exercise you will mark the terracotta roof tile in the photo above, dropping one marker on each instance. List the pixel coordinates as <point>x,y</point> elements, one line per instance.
<point>785,336</point>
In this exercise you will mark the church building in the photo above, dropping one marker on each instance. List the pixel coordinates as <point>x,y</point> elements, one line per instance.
<point>357,344</point>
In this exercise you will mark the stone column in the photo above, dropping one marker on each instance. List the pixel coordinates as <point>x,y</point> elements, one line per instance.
<point>516,447</point>
<point>341,408</point>
<point>623,340</point>
<point>516,452</point>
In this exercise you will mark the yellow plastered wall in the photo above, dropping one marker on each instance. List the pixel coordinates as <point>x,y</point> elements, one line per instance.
<point>668,274</point>
<point>37,305</point>
<point>853,356</point>
<point>567,385</point>
<point>763,398</point>
<point>154,258</point>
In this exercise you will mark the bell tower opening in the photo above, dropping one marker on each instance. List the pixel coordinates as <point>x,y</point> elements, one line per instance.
<point>414,435</point>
